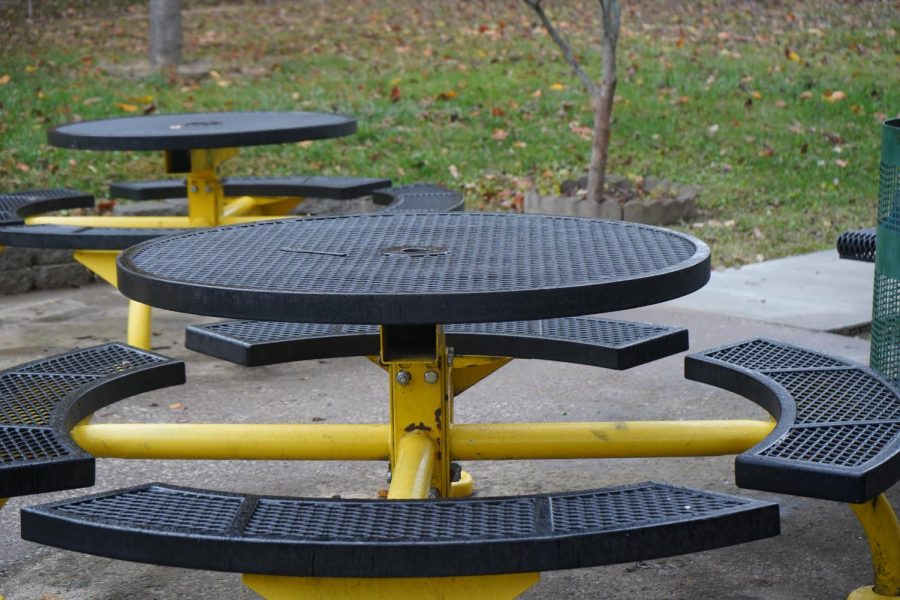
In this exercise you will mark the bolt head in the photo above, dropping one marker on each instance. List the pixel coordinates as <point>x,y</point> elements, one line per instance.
<point>431,377</point>
<point>403,377</point>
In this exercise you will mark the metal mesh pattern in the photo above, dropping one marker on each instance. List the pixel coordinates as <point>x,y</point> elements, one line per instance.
<point>885,354</point>
<point>595,331</point>
<point>103,360</point>
<point>10,203</point>
<point>761,355</point>
<point>857,245</point>
<point>606,510</point>
<point>270,331</point>
<point>889,196</point>
<point>838,445</point>
<point>487,253</point>
<point>20,444</point>
<point>838,395</point>
<point>28,399</point>
<point>385,521</point>
<point>161,508</point>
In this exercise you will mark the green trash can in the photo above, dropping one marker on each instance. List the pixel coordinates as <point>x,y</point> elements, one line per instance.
<point>885,354</point>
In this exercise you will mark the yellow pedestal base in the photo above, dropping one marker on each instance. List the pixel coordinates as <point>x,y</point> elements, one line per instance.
<point>867,593</point>
<point>482,587</point>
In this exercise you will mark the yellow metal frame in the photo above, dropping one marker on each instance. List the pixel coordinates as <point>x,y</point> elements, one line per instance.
<point>879,521</point>
<point>207,207</point>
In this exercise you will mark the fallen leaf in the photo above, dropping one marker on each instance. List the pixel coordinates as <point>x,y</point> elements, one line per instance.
<point>497,112</point>
<point>536,94</point>
<point>857,109</point>
<point>756,95</point>
<point>758,234</point>
<point>712,129</point>
<point>30,69</point>
<point>92,100</point>
<point>791,55</point>
<point>806,95</point>
<point>500,134</point>
<point>382,493</point>
<point>140,99</point>
<point>454,172</point>
<point>557,87</point>
<point>835,96</point>
<point>519,144</point>
<point>448,95</point>
<point>126,107</point>
<point>780,103</point>
<point>841,163</point>
<point>4,79</point>
<point>23,167</point>
<point>176,406</point>
<point>766,151</point>
<point>395,94</point>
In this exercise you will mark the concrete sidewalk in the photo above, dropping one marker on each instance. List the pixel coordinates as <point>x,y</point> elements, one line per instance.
<point>820,554</point>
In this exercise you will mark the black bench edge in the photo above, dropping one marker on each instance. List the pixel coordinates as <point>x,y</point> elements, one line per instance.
<point>419,197</point>
<point>310,186</point>
<point>713,520</point>
<point>32,202</point>
<point>797,477</point>
<point>213,340</point>
<point>68,237</point>
<point>74,468</point>
<point>857,244</point>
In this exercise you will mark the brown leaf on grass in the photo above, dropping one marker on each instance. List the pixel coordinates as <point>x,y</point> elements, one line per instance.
<point>766,151</point>
<point>835,96</point>
<point>105,207</point>
<point>149,109</point>
<point>791,55</point>
<point>23,167</point>
<point>126,107</point>
<point>500,134</point>
<point>448,95</point>
<point>4,79</point>
<point>805,95</point>
<point>758,234</point>
<point>496,111</point>
<point>841,163</point>
<point>395,94</point>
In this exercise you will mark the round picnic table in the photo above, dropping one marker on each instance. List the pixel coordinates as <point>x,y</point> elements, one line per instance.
<point>195,144</point>
<point>411,274</point>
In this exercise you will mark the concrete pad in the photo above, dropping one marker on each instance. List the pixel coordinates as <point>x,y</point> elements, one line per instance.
<point>821,552</point>
<point>813,291</point>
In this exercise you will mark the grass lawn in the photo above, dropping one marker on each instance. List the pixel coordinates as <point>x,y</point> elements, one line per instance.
<point>774,109</point>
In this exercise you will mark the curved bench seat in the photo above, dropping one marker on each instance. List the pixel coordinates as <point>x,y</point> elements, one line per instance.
<point>15,206</point>
<point>42,400</point>
<point>838,431</point>
<point>419,197</point>
<point>584,340</point>
<point>69,237</point>
<point>312,186</point>
<point>218,531</point>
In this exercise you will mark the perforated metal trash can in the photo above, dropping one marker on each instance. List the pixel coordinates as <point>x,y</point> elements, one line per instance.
<point>885,354</point>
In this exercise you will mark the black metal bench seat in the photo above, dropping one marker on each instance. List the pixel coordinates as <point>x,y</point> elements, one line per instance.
<point>607,343</point>
<point>838,431</point>
<point>333,187</point>
<point>15,206</point>
<point>858,244</point>
<point>42,400</point>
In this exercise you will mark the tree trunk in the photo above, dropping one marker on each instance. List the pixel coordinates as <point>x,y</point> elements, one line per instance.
<point>603,100</point>
<point>165,32</point>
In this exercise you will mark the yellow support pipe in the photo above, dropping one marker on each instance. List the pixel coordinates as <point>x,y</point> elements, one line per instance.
<point>502,441</point>
<point>240,206</point>
<point>139,324</point>
<point>199,441</point>
<point>879,521</point>
<point>476,587</point>
<point>413,466</point>
<point>110,221</point>
<point>623,439</point>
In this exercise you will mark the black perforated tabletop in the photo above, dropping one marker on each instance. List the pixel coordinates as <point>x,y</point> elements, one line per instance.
<point>194,131</point>
<point>407,268</point>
